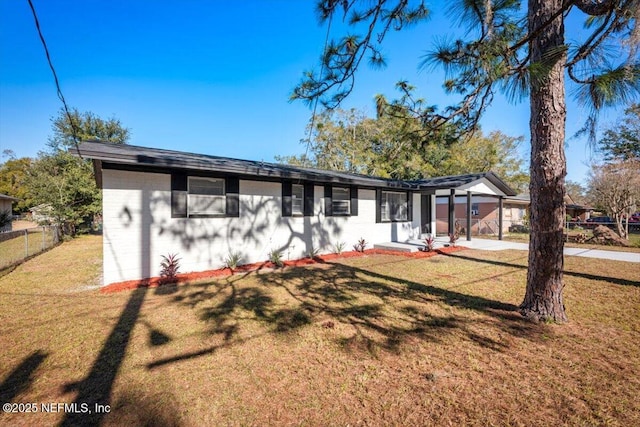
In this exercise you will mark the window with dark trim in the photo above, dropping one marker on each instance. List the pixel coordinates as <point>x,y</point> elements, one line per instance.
<point>394,206</point>
<point>475,210</point>
<point>341,201</point>
<point>297,199</point>
<point>204,196</point>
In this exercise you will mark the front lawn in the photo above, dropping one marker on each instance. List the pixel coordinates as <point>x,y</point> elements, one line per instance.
<point>374,340</point>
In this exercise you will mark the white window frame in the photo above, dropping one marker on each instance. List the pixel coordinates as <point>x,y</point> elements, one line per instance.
<point>385,206</point>
<point>475,209</point>
<point>297,200</point>
<point>341,205</point>
<point>193,198</point>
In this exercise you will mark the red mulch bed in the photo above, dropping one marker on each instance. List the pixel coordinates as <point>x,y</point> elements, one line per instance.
<point>225,272</point>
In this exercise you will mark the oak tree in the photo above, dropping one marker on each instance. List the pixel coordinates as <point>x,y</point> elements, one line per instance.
<point>65,182</point>
<point>615,188</point>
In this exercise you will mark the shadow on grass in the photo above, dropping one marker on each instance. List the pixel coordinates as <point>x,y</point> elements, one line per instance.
<point>614,280</point>
<point>137,408</point>
<point>383,312</point>
<point>95,388</point>
<point>20,379</point>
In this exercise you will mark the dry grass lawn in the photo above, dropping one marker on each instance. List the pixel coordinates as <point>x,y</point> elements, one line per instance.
<point>376,340</point>
<point>20,247</point>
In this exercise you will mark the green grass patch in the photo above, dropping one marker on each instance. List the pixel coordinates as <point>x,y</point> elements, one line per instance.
<point>374,340</point>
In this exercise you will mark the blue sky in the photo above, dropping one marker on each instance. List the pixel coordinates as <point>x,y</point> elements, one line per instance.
<point>208,77</point>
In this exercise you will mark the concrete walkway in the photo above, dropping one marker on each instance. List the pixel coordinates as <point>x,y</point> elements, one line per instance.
<point>501,245</point>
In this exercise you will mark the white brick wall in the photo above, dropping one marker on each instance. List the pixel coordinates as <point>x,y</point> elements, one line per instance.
<point>138,227</point>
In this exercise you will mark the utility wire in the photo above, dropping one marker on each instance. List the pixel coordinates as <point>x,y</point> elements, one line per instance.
<point>74,129</point>
<point>315,106</point>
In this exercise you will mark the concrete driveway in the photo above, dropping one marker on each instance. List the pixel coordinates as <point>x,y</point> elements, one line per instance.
<point>500,245</point>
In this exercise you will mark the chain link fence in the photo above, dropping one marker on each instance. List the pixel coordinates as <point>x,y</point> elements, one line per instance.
<point>16,246</point>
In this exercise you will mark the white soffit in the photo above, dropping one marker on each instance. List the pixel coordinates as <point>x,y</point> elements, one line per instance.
<point>480,186</point>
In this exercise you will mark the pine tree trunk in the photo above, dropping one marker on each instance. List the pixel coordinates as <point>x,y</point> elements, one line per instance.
<point>543,297</point>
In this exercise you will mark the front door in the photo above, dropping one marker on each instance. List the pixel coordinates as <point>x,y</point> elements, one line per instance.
<point>425,213</point>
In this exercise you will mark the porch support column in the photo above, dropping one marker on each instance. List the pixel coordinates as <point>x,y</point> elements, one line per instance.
<point>469,215</point>
<point>452,210</point>
<point>500,206</point>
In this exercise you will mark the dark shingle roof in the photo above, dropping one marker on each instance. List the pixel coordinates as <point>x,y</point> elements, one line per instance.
<point>160,158</point>
<point>5,197</point>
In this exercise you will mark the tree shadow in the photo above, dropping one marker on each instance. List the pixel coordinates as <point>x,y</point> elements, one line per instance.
<point>253,235</point>
<point>96,387</point>
<point>615,280</point>
<point>20,379</point>
<point>380,311</point>
<point>386,311</point>
<point>141,409</point>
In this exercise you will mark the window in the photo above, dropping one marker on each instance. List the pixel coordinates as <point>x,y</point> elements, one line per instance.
<point>206,196</point>
<point>199,196</point>
<point>394,206</point>
<point>341,202</point>
<point>475,210</point>
<point>507,211</point>
<point>297,199</point>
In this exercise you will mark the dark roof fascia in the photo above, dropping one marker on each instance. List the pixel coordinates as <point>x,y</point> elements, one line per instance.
<point>455,181</point>
<point>141,157</point>
<point>209,173</point>
<point>5,197</point>
<point>580,207</point>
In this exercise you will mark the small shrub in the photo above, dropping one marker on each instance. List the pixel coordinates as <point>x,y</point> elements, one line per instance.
<point>5,218</point>
<point>339,247</point>
<point>276,258</point>
<point>361,245</point>
<point>313,252</point>
<point>170,265</point>
<point>457,230</point>
<point>232,260</point>
<point>429,241</point>
<point>453,238</point>
<point>519,228</point>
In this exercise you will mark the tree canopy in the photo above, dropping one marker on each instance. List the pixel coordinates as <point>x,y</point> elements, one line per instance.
<point>615,188</point>
<point>614,183</point>
<point>87,127</point>
<point>391,147</point>
<point>64,181</point>
<point>12,179</point>
<point>621,141</point>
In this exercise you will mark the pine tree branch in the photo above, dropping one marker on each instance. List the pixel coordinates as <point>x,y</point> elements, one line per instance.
<point>595,7</point>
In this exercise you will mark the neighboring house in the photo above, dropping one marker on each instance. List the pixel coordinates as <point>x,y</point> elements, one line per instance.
<point>157,202</point>
<point>42,213</point>
<point>485,213</point>
<point>6,205</point>
<point>579,213</point>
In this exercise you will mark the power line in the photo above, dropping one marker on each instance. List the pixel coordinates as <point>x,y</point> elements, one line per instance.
<point>74,130</point>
